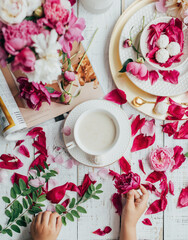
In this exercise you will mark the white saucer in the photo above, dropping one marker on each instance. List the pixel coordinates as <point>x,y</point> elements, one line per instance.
<point>122,143</point>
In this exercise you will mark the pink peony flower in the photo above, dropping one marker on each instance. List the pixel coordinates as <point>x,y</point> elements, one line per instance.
<point>25,61</point>
<point>72,32</point>
<point>126,182</point>
<point>69,76</point>
<point>3,57</point>
<point>139,70</point>
<point>18,36</point>
<point>153,76</point>
<point>161,159</point>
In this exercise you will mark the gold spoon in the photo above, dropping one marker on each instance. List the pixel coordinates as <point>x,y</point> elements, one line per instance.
<point>138,101</point>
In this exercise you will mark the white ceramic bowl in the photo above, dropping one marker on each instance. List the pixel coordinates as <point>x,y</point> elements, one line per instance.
<point>145,50</point>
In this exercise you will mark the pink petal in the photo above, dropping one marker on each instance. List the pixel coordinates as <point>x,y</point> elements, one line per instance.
<point>150,187</point>
<point>171,187</point>
<point>52,183</point>
<point>16,176</point>
<point>155,176</point>
<point>160,6</point>
<point>183,198</point>
<point>170,128</point>
<point>141,166</point>
<point>183,132</point>
<point>18,143</point>
<point>148,129</point>
<point>157,206</point>
<point>117,96</point>
<point>50,208</point>
<point>66,131</point>
<point>37,182</point>
<point>50,159</point>
<point>10,162</point>
<point>35,132</point>
<point>142,142</point>
<point>24,151</point>
<point>93,176</point>
<point>114,174</point>
<point>170,76</point>
<point>104,232</point>
<point>57,170</point>
<point>103,173</point>
<point>137,124</point>
<point>147,222</point>
<point>179,157</point>
<point>59,159</point>
<point>175,110</point>
<point>116,200</point>
<point>125,166</point>
<point>69,163</point>
<point>153,76</point>
<point>32,172</point>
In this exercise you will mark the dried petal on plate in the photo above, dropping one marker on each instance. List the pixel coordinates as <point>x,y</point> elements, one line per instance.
<point>153,76</point>
<point>155,176</point>
<point>141,142</point>
<point>117,96</point>
<point>114,174</point>
<point>183,198</point>
<point>170,76</point>
<point>147,222</point>
<point>18,143</point>
<point>179,157</point>
<point>171,187</point>
<point>104,232</point>
<point>141,166</point>
<point>137,124</point>
<point>170,128</point>
<point>116,200</point>
<point>183,132</point>
<point>124,165</point>
<point>16,176</point>
<point>103,173</point>
<point>66,130</point>
<point>35,132</point>
<point>148,129</point>
<point>10,162</point>
<point>24,151</point>
<point>85,184</point>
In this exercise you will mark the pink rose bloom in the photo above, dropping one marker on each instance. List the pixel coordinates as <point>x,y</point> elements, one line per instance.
<point>25,61</point>
<point>161,159</point>
<point>3,57</point>
<point>66,98</point>
<point>73,32</point>
<point>139,70</point>
<point>126,182</point>
<point>69,76</point>
<point>18,36</point>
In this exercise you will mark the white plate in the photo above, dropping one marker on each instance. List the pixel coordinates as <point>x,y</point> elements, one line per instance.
<point>121,145</point>
<point>160,88</point>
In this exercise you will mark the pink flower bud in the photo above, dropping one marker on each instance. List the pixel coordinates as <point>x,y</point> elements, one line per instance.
<point>66,98</point>
<point>69,76</point>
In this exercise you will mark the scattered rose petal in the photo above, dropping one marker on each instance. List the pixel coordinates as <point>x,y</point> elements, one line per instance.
<point>148,129</point>
<point>170,76</point>
<point>103,173</point>
<point>114,174</point>
<point>137,124</point>
<point>141,166</point>
<point>66,130</point>
<point>175,110</point>
<point>69,163</point>
<point>39,161</point>
<point>171,187</point>
<point>24,151</point>
<point>85,184</point>
<point>41,149</point>
<point>116,200</point>
<point>157,206</point>
<point>170,128</point>
<point>93,176</point>
<point>139,70</point>
<point>160,99</point>
<point>52,182</point>
<point>18,143</point>
<point>152,189</point>
<point>141,142</point>
<point>59,159</point>
<point>183,132</point>
<point>153,76</point>
<point>37,182</point>
<point>3,176</point>
<point>117,96</point>
<point>10,162</point>
<point>57,170</point>
<point>125,166</point>
<point>183,198</point>
<point>147,222</point>
<point>32,172</point>
<point>155,177</point>
<point>16,176</point>
<point>66,203</point>
<point>35,132</point>
<point>50,159</point>
<point>179,157</point>
<point>104,232</point>
<point>50,208</point>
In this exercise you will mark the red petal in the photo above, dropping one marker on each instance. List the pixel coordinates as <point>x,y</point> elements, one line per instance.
<point>116,200</point>
<point>117,96</point>
<point>66,203</point>
<point>170,128</point>
<point>42,139</point>
<point>18,143</point>
<point>176,111</point>
<point>16,176</point>
<point>114,174</point>
<point>86,183</point>
<point>170,76</point>
<point>183,198</point>
<point>34,132</point>
<point>155,177</point>
<point>179,157</point>
<point>152,189</point>
<point>153,76</point>
<point>137,124</point>
<point>148,129</point>
<point>157,206</point>
<point>141,166</point>
<point>171,187</point>
<point>24,151</point>
<point>125,166</point>
<point>183,132</point>
<point>142,142</point>
<point>38,161</point>
<point>57,194</point>
<point>160,99</point>
<point>10,162</point>
<point>147,222</point>
<point>104,232</point>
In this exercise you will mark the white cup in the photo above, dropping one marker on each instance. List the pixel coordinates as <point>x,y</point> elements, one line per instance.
<point>97,6</point>
<point>95,155</point>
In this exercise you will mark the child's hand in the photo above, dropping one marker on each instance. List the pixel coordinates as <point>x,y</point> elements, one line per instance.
<point>135,206</point>
<point>46,226</point>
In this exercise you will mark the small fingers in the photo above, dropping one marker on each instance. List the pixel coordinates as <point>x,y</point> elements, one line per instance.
<point>37,219</point>
<point>145,193</point>
<point>59,223</point>
<point>136,195</point>
<point>45,217</point>
<point>53,219</point>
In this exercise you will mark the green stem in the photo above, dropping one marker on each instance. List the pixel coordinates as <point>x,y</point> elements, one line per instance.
<point>12,202</point>
<point>86,50</point>
<point>74,55</point>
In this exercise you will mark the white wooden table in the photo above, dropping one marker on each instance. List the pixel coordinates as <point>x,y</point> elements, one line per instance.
<point>170,225</point>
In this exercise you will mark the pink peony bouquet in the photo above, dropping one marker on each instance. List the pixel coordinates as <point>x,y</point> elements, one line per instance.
<point>35,36</point>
